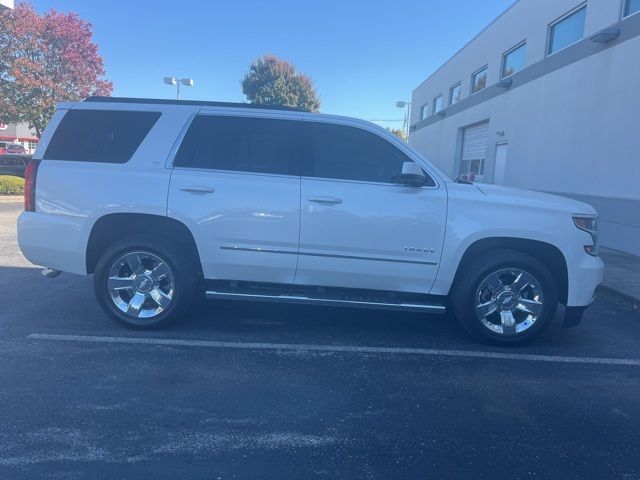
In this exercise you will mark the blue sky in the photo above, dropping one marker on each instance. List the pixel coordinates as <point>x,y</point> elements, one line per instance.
<point>362,55</point>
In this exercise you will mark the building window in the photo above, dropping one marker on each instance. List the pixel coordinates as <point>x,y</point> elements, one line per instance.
<point>479,80</point>
<point>424,111</point>
<point>632,6</point>
<point>513,60</point>
<point>437,104</point>
<point>455,93</point>
<point>567,30</point>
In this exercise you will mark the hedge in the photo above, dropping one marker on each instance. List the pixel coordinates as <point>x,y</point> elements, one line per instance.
<point>10,185</point>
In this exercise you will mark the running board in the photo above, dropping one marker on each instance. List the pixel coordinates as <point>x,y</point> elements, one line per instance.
<point>332,302</point>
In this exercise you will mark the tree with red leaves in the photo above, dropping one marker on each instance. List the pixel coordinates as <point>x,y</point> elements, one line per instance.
<point>45,60</point>
<point>272,80</point>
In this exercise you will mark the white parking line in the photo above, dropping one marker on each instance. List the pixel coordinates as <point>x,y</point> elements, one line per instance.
<point>337,348</point>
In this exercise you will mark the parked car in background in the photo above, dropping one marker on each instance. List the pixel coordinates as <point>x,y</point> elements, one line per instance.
<point>162,200</point>
<point>14,164</point>
<point>11,148</point>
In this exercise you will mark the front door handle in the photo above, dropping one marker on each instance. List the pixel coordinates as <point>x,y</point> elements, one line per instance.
<point>197,189</point>
<point>327,200</point>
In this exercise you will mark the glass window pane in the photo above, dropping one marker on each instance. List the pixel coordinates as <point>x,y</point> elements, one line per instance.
<point>479,80</point>
<point>424,111</point>
<point>110,136</point>
<point>350,153</point>
<point>241,144</point>
<point>568,30</point>
<point>454,94</point>
<point>633,6</point>
<point>514,60</point>
<point>437,104</point>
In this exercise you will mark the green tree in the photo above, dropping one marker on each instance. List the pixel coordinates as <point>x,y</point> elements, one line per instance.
<point>45,59</point>
<point>274,81</point>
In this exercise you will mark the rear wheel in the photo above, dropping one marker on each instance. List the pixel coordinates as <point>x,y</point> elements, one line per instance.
<point>143,282</point>
<point>505,297</point>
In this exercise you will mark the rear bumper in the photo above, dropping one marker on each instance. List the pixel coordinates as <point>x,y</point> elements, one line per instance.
<point>53,241</point>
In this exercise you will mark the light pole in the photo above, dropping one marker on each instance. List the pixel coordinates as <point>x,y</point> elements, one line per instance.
<point>407,118</point>
<point>187,82</point>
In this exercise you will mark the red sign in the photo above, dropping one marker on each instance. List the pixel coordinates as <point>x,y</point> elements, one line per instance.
<point>3,126</point>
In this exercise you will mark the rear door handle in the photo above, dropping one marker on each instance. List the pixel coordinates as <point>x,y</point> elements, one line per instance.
<point>197,189</point>
<point>327,200</point>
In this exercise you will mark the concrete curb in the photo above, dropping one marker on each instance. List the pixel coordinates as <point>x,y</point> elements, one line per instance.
<point>619,298</point>
<point>11,199</point>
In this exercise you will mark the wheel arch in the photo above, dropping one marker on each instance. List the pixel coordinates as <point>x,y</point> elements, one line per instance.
<point>549,255</point>
<point>114,226</point>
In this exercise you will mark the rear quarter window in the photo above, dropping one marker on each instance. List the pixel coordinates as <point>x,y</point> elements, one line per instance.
<point>107,136</point>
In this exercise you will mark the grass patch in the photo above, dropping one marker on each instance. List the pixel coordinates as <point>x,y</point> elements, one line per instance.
<point>10,185</point>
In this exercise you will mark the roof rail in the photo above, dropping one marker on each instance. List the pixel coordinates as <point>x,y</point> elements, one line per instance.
<point>155,101</point>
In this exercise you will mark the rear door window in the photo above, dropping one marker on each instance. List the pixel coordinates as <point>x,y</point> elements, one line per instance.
<point>109,136</point>
<point>241,144</point>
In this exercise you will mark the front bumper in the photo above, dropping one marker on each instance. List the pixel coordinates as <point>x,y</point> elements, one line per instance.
<point>585,274</point>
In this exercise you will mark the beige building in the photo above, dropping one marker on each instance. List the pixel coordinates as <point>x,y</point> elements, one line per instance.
<point>20,133</point>
<point>545,98</point>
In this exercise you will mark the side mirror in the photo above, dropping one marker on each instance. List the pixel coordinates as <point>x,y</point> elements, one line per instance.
<point>412,175</point>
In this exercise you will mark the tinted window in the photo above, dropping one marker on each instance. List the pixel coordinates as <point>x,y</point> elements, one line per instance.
<point>567,31</point>
<point>110,136</point>
<point>241,144</point>
<point>11,161</point>
<point>350,153</point>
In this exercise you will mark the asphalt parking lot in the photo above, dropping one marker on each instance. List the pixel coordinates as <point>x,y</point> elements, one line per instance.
<point>252,391</point>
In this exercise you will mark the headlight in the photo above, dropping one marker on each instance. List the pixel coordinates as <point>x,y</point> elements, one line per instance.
<point>589,225</point>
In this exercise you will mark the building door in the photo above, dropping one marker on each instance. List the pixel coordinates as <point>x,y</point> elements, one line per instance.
<point>500,164</point>
<point>474,151</point>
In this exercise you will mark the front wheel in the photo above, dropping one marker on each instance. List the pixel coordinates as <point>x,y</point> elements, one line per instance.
<point>505,297</point>
<point>143,282</point>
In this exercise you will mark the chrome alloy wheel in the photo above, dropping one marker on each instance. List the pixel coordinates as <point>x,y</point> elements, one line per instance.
<point>141,284</point>
<point>509,301</point>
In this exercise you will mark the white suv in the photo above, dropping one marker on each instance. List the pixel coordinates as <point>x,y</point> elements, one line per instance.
<point>163,200</point>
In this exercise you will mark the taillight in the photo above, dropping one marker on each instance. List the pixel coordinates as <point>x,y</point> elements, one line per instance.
<point>30,175</point>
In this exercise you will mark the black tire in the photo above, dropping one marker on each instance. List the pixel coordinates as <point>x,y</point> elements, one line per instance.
<point>465,291</point>
<point>183,271</point>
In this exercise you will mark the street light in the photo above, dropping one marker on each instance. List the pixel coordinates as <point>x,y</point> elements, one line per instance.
<point>187,82</point>
<point>407,117</point>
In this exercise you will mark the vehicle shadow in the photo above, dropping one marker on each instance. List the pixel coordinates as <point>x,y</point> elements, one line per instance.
<point>32,303</point>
